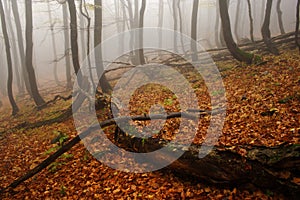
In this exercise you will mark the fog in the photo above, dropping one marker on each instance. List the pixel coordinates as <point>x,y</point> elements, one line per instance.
<point>44,58</point>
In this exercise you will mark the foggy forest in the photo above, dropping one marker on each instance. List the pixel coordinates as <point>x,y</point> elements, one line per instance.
<point>149,99</point>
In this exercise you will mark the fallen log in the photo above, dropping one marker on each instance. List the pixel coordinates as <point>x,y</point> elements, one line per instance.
<point>267,168</point>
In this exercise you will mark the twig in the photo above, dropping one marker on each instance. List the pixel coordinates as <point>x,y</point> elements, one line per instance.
<point>85,133</point>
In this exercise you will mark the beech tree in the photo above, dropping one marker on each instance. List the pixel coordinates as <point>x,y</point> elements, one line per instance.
<point>14,106</point>
<point>237,20</point>
<point>265,30</point>
<point>53,44</point>
<point>21,45</point>
<point>141,37</point>
<point>194,30</point>
<point>217,24</point>
<point>175,27</point>
<point>105,86</point>
<point>16,61</point>
<point>279,15</point>
<point>39,101</point>
<point>74,36</point>
<point>67,46</point>
<point>250,19</point>
<point>160,21</point>
<point>231,45</point>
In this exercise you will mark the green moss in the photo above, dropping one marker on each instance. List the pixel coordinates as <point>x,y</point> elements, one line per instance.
<point>247,56</point>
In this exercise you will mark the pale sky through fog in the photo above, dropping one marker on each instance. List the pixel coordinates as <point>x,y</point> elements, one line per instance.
<point>43,53</point>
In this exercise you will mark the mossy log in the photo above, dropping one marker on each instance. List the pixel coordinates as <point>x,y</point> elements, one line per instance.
<point>266,168</point>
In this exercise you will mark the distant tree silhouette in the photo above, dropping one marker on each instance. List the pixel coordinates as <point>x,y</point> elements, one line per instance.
<point>67,46</point>
<point>53,44</point>
<point>251,20</point>
<point>279,15</point>
<point>16,61</point>
<point>237,20</point>
<point>194,26</point>
<point>21,45</point>
<point>15,108</point>
<point>175,22</point>
<point>141,55</point>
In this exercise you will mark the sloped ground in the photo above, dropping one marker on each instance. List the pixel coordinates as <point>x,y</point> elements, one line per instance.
<point>263,109</point>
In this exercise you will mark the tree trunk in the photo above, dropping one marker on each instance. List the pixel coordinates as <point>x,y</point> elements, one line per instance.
<point>236,23</point>
<point>217,24</point>
<point>133,58</point>
<point>231,45</point>
<point>67,46</point>
<point>297,25</point>
<point>265,30</point>
<point>74,36</point>
<point>279,15</point>
<point>14,106</point>
<point>105,86</point>
<point>53,44</point>
<point>29,51</point>
<point>16,61</point>
<point>175,28</point>
<point>160,23</point>
<point>194,24</point>
<point>21,46</point>
<point>136,58</point>
<point>87,17</point>
<point>181,27</point>
<point>140,33</point>
<point>251,20</point>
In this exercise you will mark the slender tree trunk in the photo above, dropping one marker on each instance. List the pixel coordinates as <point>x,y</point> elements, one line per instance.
<point>279,15</point>
<point>265,30</point>
<point>217,24</point>
<point>14,106</point>
<point>251,20</point>
<point>118,20</point>
<point>3,76</point>
<point>231,45</point>
<point>237,20</point>
<point>175,26</point>
<point>28,55</point>
<point>222,40</point>
<point>105,86</point>
<point>21,46</point>
<point>82,39</point>
<point>136,33</point>
<point>194,30</point>
<point>160,23</point>
<point>67,46</point>
<point>132,26</point>
<point>262,11</point>
<point>16,60</point>
<point>86,15</point>
<point>74,36</point>
<point>53,44</point>
<point>180,26</point>
<point>297,25</point>
<point>141,36</point>
<point>124,19</point>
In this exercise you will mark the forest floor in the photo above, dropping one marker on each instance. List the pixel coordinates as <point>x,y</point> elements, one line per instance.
<point>262,110</point>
